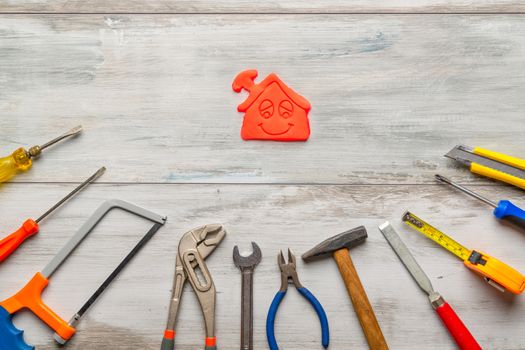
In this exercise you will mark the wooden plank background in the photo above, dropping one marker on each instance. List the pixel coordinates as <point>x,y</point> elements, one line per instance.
<point>393,85</point>
<point>251,6</point>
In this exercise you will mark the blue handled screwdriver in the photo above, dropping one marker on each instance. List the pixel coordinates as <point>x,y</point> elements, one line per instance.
<point>504,209</point>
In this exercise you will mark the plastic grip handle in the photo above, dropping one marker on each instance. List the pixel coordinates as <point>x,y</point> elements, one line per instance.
<point>270,320</point>
<point>325,340</point>
<point>497,175</point>
<point>9,244</point>
<point>18,160</point>
<point>456,328</point>
<point>30,297</point>
<point>11,337</point>
<point>507,208</point>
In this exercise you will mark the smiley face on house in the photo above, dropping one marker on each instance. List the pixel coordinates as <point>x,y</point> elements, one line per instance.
<point>273,111</point>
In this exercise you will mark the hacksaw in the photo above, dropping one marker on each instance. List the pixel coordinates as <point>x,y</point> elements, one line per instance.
<point>30,296</point>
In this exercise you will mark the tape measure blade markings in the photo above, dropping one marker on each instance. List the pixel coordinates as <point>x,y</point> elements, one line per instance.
<point>496,273</point>
<point>437,236</point>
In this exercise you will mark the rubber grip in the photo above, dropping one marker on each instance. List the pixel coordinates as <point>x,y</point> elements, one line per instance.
<point>325,340</point>
<point>456,328</point>
<point>270,320</point>
<point>211,344</point>
<point>167,344</point>
<point>11,337</point>
<point>9,244</point>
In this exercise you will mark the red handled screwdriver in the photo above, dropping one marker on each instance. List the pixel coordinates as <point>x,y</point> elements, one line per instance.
<point>30,227</point>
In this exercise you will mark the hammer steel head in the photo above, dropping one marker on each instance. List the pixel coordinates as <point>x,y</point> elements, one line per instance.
<point>347,239</point>
<point>247,261</point>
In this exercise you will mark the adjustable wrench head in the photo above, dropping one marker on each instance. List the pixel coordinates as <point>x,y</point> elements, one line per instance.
<point>204,239</point>
<point>249,261</point>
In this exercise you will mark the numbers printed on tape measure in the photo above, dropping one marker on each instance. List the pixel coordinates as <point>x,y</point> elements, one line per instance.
<point>437,236</point>
<point>495,272</point>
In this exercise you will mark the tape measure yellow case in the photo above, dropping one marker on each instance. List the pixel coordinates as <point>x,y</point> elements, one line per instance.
<point>495,272</point>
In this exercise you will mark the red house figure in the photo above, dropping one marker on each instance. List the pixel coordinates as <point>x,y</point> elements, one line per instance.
<point>273,111</point>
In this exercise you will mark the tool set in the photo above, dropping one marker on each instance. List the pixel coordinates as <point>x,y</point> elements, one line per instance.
<point>504,209</point>
<point>197,244</point>
<point>289,274</point>
<point>22,159</point>
<point>29,297</point>
<point>496,273</point>
<point>30,227</point>
<point>247,264</point>
<point>455,326</point>
<point>497,166</point>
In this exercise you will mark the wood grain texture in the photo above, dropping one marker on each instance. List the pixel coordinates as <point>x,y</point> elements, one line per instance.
<point>250,6</point>
<point>390,94</point>
<point>132,312</point>
<point>362,307</point>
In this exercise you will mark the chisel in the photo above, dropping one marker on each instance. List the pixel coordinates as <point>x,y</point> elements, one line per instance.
<point>455,326</point>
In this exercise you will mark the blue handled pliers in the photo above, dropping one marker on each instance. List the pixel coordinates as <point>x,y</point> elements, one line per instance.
<point>289,272</point>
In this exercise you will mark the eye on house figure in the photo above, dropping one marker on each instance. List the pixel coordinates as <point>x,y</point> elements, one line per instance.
<point>272,110</point>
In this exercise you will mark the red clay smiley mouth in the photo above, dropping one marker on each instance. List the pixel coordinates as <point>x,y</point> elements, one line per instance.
<point>275,133</point>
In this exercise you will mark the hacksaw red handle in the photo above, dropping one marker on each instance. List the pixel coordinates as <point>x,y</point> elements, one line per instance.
<point>456,328</point>
<point>9,244</point>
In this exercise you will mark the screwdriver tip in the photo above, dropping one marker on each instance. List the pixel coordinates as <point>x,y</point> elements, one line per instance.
<point>441,178</point>
<point>77,129</point>
<point>99,172</point>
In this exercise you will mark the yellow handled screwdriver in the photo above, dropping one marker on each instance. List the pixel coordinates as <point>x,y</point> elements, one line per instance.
<point>30,227</point>
<point>22,159</point>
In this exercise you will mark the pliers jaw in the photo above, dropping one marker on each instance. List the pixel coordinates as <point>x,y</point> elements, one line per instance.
<point>288,271</point>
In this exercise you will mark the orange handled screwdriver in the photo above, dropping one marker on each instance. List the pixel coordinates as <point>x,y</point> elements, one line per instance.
<point>30,227</point>
<point>21,159</point>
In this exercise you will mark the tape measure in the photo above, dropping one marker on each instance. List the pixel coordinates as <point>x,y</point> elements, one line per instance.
<point>496,273</point>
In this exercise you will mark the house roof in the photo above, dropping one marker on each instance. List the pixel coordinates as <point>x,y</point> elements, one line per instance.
<point>273,78</point>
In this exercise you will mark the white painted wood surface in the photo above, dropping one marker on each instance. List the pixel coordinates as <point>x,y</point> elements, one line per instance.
<point>390,94</point>
<point>251,6</point>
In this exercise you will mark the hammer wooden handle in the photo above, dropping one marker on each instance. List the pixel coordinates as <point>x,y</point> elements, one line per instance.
<point>362,306</point>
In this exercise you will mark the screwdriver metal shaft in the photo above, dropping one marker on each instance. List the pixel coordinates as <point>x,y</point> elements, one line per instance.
<point>504,209</point>
<point>72,193</point>
<point>22,159</point>
<point>30,227</point>
<point>76,130</point>
<point>466,190</point>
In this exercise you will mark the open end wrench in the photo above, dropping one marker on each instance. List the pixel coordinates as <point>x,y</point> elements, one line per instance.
<point>247,264</point>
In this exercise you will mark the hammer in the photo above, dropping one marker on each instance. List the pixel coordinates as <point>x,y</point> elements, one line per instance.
<point>338,246</point>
